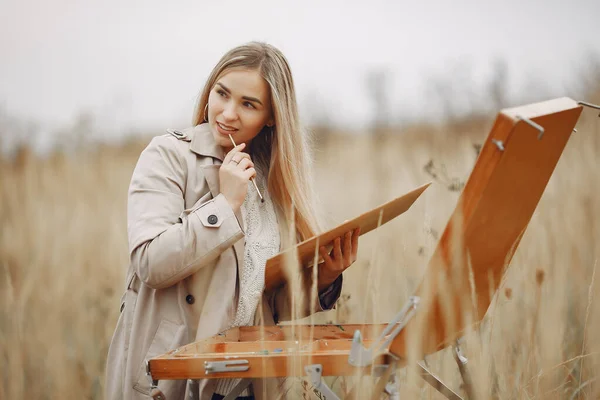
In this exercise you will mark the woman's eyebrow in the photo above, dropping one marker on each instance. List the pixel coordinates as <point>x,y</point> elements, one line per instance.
<point>253,99</point>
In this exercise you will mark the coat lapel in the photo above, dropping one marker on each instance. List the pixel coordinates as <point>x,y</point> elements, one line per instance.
<point>203,144</point>
<point>211,174</point>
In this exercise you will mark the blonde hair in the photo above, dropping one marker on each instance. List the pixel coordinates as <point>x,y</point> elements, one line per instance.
<point>284,149</point>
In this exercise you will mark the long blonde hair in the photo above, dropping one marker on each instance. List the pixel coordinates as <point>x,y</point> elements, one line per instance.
<point>284,148</point>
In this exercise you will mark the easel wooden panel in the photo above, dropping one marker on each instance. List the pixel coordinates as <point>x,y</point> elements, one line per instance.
<point>507,182</point>
<point>481,237</point>
<point>282,352</point>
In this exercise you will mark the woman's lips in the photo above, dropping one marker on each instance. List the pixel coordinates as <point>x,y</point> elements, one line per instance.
<point>225,130</point>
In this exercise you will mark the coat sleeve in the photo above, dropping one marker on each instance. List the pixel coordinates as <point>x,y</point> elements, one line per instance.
<point>167,243</point>
<point>281,299</point>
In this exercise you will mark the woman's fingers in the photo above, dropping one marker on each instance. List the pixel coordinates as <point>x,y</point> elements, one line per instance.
<point>249,173</point>
<point>355,236</point>
<point>233,152</point>
<point>245,164</point>
<point>240,156</point>
<point>326,256</point>
<point>344,252</point>
<point>337,250</point>
<point>347,248</point>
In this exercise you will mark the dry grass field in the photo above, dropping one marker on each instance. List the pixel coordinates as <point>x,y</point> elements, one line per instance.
<point>63,257</point>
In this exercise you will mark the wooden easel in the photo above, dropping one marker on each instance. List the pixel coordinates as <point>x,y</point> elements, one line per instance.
<point>465,271</point>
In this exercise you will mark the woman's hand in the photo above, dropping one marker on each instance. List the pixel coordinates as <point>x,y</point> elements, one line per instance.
<point>235,172</point>
<point>343,254</point>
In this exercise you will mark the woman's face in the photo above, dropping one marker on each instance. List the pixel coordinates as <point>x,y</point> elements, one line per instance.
<point>239,104</point>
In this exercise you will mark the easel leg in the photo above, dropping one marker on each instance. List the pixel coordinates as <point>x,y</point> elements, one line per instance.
<point>383,381</point>
<point>461,362</point>
<point>437,384</point>
<point>353,393</point>
<point>314,375</point>
<point>392,388</point>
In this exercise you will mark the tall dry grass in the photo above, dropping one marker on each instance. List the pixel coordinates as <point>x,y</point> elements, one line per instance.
<point>63,256</point>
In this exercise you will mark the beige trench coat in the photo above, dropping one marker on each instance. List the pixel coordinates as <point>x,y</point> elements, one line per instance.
<point>186,245</point>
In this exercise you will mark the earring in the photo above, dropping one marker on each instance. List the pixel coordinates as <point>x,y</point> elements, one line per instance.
<point>205,111</point>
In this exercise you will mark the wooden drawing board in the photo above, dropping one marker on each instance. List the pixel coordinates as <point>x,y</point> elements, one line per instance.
<point>480,239</point>
<point>274,272</point>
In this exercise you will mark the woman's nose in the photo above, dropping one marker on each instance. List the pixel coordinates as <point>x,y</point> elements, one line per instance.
<point>229,112</point>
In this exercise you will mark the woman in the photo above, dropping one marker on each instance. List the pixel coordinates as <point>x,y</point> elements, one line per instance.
<point>199,234</point>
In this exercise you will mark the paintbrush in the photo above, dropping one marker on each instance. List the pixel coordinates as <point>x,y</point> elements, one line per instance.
<point>252,179</point>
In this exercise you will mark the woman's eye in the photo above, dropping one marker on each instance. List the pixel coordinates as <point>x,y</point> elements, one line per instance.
<point>221,93</point>
<point>249,105</point>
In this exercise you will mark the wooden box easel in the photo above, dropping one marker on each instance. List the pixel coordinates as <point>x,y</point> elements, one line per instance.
<point>493,211</point>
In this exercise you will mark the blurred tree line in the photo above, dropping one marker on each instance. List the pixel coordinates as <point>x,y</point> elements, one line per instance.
<point>455,98</point>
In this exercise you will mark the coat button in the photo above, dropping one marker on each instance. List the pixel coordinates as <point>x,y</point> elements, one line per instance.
<point>212,219</point>
<point>190,299</point>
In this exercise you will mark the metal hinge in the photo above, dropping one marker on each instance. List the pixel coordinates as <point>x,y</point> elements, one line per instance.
<point>314,373</point>
<point>212,367</point>
<point>361,356</point>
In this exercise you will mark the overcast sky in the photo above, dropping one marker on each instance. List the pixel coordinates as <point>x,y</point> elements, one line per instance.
<point>142,63</point>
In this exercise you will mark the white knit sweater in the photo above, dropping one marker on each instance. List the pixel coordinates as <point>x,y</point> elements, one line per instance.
<point>262,242</point>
